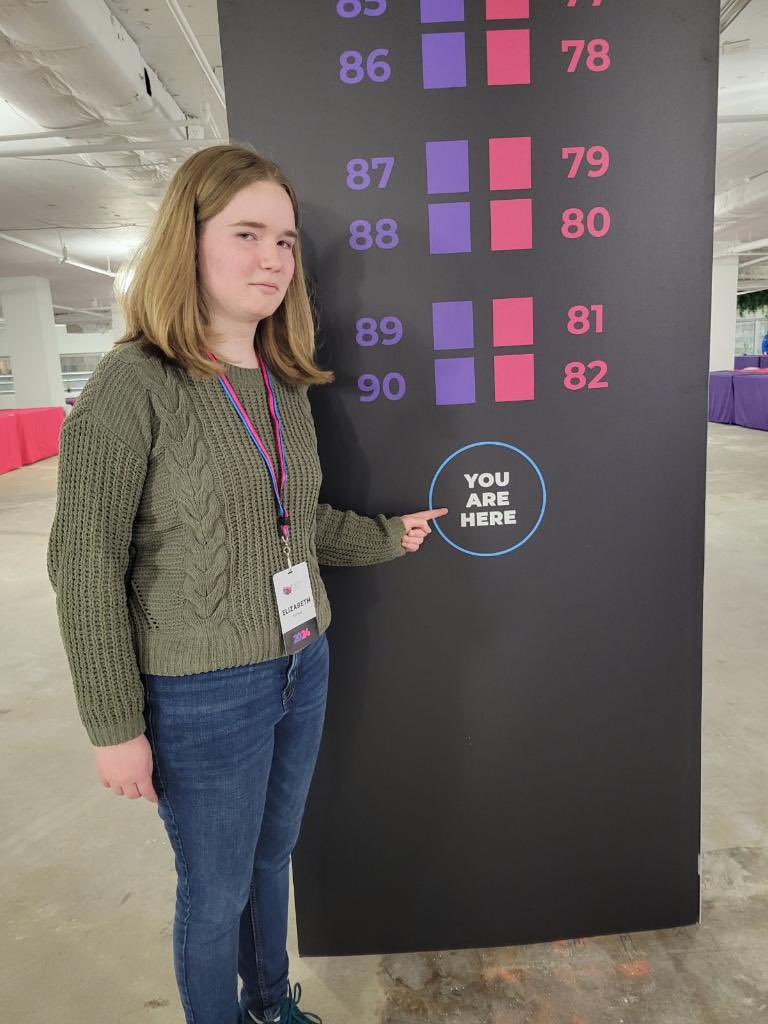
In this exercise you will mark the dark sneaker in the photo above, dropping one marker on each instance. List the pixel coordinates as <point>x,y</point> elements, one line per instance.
<point>262,1020</point>
<point>290,1012</point>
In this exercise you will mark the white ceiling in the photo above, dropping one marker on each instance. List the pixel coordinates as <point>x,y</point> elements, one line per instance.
<point>55,200</point>
<point>741,180</point>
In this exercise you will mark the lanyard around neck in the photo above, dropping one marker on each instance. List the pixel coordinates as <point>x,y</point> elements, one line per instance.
<point>278,480</point>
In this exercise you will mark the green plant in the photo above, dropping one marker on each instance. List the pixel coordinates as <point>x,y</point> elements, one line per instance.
<point>752,302</point>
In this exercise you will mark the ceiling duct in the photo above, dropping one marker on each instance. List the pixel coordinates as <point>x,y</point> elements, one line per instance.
<point>70,64</point>
<point>744,202</point>
<point>729,12</point>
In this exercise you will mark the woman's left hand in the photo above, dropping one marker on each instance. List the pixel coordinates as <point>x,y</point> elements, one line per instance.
<point>417,527</point>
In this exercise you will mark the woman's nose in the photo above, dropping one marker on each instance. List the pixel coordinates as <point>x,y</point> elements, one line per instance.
<point>270,259</point>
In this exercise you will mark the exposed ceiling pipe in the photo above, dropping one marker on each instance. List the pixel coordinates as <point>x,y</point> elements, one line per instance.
<point>729,11</point>
<point>71,64</point>
<point>744,247</point>
<point>743,202</point>
<point>202,60</point>
<point>741,118</point>
<point>750,263</point>
<point>84,312</point>
<point>62,258</point>
<point>97,129</point>
<point>115,147</point>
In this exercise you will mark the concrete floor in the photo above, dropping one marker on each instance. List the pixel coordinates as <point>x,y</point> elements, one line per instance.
<point>88,882</point>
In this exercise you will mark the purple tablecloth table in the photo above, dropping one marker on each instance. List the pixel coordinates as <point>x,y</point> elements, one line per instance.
<point>721,396</point>
<point>750,400</point>
<point>764,362</point>
<point>742,362</point>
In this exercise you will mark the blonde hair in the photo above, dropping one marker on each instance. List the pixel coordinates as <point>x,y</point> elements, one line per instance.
<point>162,301</point>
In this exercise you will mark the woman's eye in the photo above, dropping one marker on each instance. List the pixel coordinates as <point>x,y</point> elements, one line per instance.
<point>248,234</point>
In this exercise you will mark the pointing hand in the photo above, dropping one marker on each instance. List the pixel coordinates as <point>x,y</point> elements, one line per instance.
<point>417,527</point>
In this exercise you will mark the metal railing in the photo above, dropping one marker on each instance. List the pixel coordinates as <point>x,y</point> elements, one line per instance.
<point>74,382</point>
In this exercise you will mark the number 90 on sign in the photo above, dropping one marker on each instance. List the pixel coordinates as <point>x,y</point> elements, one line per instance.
<point>391,386</point>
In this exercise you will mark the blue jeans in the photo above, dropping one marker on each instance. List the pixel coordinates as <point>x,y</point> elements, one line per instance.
<point>234,752</point>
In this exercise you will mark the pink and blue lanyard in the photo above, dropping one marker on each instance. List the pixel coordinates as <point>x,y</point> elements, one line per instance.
<point>278,483</point>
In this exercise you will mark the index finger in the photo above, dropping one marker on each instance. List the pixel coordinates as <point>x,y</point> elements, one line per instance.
<point>433,513</point>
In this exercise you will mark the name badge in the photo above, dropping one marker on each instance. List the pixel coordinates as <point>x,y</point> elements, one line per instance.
<point>296,607</point>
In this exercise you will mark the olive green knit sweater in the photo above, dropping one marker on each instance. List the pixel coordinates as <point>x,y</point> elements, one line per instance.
<point>164,540</point>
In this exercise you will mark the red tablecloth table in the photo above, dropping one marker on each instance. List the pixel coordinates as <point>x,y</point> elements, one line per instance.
<point>10,449</point>
<point>36,435</point>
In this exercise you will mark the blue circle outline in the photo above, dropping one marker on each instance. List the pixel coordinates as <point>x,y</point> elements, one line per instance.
<point>480,444</point>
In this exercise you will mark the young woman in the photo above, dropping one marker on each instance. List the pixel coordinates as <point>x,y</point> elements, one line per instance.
<point>184,555</point>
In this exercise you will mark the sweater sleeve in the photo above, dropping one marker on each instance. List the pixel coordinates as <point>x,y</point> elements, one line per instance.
<point>100,480</point>
<point>346,538</point>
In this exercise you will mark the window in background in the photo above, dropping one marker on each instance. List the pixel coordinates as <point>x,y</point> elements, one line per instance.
<point>750,332</point>
<point>76,368</point>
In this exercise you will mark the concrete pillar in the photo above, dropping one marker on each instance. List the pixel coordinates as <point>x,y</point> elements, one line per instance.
<point>722,338</point>
<point>30,337</point>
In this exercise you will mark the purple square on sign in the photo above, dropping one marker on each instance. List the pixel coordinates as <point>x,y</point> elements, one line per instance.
<point>444,61</point>
<point>452,325</point>
<point>448,166</point>
<point>455,381</point>
<point>442,10</point>
<point>449,228</point>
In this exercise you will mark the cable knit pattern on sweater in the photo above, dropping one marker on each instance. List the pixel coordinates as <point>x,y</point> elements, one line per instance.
<point>164,540</point>
<point>205,584</point>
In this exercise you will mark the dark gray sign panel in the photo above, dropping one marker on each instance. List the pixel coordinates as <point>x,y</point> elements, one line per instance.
<point>507,217</point>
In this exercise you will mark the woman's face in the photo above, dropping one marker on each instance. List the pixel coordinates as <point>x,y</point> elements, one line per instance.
<point>247,245</point>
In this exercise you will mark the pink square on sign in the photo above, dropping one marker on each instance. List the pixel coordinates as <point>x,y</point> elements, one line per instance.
<point>513,378</point>
<point>513,321</point>
<point>509,56</point>
<point>511,224</point>
<point>509,163</point>
<point>507,9</point>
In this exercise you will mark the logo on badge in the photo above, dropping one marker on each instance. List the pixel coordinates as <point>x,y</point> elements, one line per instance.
<point>287,590</point>
<point>303,634</point>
